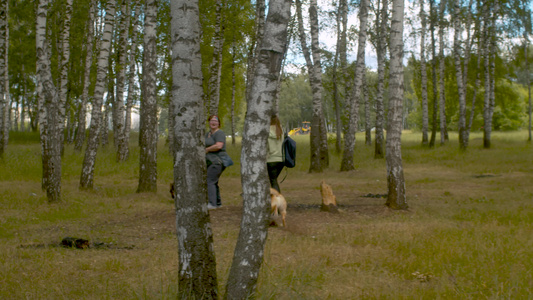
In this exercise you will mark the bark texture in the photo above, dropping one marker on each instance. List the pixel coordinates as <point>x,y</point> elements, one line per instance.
<point>395,179</point>
<point>131,83</point>
<point>119,106</point>
<point>4,99</point>
<point>347,163</point>
<point>216,64</point>
<point>50,134</point>
<point>381,49</point>
<point>89,160</point>
<point>148,130</point>
<point>424,75</point>
<point>64,66</point>
<point>197,265</point>
<point>249,251</point>
<point>82,110</point>
<point>318,139</point>
<point>442,97</point>
<point>458,54</point>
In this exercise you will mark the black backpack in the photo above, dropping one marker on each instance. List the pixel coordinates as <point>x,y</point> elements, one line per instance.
<point>289,152</point>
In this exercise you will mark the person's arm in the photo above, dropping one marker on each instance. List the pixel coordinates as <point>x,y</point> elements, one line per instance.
<point>214,148</point>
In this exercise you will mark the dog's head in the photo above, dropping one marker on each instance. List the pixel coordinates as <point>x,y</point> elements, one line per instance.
<point>172,190</point>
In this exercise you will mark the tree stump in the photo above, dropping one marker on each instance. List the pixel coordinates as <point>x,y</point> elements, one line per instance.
<point>329,201</point>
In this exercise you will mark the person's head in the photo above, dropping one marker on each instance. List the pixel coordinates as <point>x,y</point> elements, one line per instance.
<point>214,122</point>
<point>274,121</point>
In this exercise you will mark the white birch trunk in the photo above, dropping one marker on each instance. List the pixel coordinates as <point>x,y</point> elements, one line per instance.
<point>216,64</point>
<point>435,107</point>
<point>82,110</point>
<point>319,158</point>
<point>381,24</point>
<point>4,92</point>
<point>131,83</point>
<point>249,251</point>
<point>148,130</point>
<point>197,265</point>
<point>64,67</point>
<point>121,80</point>
<point>395,179</point>
<point>347,163</point>
<point>442,97</point>
<point>51,154</point>
<point>424,76</point>
<point>89,160</point>
<point>256,41</point>
<point>463,143</point>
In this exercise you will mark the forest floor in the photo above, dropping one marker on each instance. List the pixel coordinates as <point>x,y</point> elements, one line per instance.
<point>465,235</point>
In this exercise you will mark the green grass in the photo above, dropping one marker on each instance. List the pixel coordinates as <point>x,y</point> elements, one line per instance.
<point>466,235</point>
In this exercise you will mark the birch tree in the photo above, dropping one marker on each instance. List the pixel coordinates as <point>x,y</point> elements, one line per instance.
<point>131,83</point>
<point>340,58</point>
<point>89,160</point>
<point>489,56</point>
<point>216,64</point>
<point>4,93</point>
<point>51,142</point>
<point>197,264</point>
<point>347,163</point>
<point>463,142</point>
<point>396,198</point>
<point>528,82</point>
<point>424,75</point>
<point>249,251</point>
<point>318,139</point>
<point>380,45</point>
<point>435,106</point>
<point>82,109</point>
<point>64,69</point>
<point>119,107</point>
<point>442,96</point>
<point>253,53</point>
<point>148,130</point>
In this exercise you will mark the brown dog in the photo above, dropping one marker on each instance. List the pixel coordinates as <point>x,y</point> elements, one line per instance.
<point>279,205</point>
<point>172,190</point>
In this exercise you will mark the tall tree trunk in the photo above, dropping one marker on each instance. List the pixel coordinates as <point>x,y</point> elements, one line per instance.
<point>233,87</point>
<point>435,106</point>
<point>121,81</point>
<point>368,123</point>
<point>51,155</point>
<point>320,138</point>
<point>216,64</point>
<point>197,265</point>
<point>89,160</point>
<point>82,110</point>
<point>492,66</point>
<point>347,163</point>
<point>4,93</point>
<point>463,142</point>
<point>476,86</point>
<point>253,54</point>
<point>64,67</point>
<point>131,82</point>
<point>526,44</point>
<point>249,251</point>
<point>319,158</point>
<point>395,179</point>
<point>338,81</point>
<point>381,49</point>
<point>148,130</point>
<point>487,126</point>
<point>424,75</point>
<point>442,98</point>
